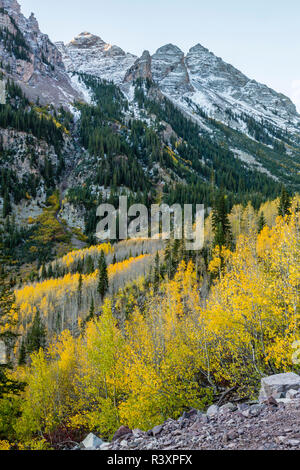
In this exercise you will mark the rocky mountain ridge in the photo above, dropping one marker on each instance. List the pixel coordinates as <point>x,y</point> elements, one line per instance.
<point>89,54</point>
<point>31,59</point>
<point>196,81</point>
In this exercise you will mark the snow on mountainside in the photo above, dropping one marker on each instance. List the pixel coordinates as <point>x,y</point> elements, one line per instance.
<point>89,54</point>
<point>199,80</point>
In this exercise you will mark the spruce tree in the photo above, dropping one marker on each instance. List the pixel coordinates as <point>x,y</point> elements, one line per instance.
<point>261,222</point>
<point>89,269</point>
<point>220,222</point>
<point>92,311</point>
<point>285,203</point>
<point>44,272</point>
<point>36,336</point>
<point>6,205</point>
<point>22,354</point>
<point>103,276</point>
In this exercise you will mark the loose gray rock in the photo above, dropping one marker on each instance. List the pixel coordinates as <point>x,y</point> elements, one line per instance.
<point>122,431</point>
<point>157,430</point>
<point>92,442</point>
<point>255,410</point>
<point>229,407</point>
<point>291,394</point>
<point>213,411</point>
<point>277,386</point>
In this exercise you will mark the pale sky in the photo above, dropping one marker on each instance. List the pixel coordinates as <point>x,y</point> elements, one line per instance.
<point>259,37</point>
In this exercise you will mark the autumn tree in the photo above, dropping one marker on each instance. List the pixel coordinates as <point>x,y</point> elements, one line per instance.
<point>8,319</point>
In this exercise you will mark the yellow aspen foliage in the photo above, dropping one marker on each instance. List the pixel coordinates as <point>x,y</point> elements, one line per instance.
<point>4,445</point>
<point>57,299</point>
<point>176,349</point>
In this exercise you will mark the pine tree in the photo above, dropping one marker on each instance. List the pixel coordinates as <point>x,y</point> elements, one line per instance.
<point>103,276</point>
<point>261,222</point>
<point>50,272</point>
<point>92,311</point>
<point>22,354</point>
<point>89,265</point>
<point>220,222</point>
<point>44,272</point>
<point>6,205</point>
<point>36,336</point>
<point>285,203</point>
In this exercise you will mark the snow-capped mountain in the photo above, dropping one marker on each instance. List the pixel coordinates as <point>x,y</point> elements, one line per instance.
<point>31,59</point>
<point>196,81</point>
<point>89,54</point>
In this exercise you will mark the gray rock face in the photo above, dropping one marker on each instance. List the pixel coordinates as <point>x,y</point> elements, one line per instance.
<point>92,442</point>
<point>42,73</point>
<point>140,69</point>
<point>89,54</point>
<point>199,80</point>
<point>169,70</point>
<point>277,386</point>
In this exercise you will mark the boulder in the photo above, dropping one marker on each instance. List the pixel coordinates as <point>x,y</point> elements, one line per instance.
<point>122,431</point>
<point>228,408</point>
<point>157,430</point>
<point>92,442</point>
<point>277,386</point>
<point>213,411</point>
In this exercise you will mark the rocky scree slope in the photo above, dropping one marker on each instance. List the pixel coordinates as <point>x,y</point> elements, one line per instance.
<point>271,424</point>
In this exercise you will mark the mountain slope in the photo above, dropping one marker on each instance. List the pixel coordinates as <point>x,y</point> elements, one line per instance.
<point>260,126</point>
<point>88,53</point>
<point>31,59</point>
<point>198,79</point>
<point>141,134</point>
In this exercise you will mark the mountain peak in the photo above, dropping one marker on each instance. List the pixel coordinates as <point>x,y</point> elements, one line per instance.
<point>169,49</point>
<point>199,48</point>
<point>86,40</point>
